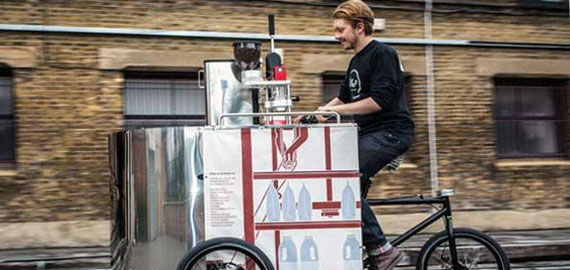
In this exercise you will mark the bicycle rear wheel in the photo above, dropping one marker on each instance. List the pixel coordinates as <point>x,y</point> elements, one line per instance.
<point>225,253</point>
<point>475,250</point>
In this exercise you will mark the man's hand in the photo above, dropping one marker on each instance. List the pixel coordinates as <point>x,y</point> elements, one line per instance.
<point>320,119</point>
<point>326,108</point>
<point>298,119</point>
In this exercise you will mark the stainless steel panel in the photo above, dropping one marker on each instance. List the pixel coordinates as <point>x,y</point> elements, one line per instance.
<point>157,195</point>
<point>225,94</point>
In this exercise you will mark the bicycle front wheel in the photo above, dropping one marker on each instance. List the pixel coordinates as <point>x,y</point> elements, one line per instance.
<point>225,253</point>
<point>475,250</point>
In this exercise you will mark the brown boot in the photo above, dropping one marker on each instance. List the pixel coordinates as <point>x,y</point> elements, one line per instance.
<point>386,260</point>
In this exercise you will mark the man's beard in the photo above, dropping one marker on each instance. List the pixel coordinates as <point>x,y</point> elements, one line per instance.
<point>351,43</point>
<point>349,46</point>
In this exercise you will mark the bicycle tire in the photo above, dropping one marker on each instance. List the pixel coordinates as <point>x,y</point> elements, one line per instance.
<point>495,251</point>
<point>194,255</point>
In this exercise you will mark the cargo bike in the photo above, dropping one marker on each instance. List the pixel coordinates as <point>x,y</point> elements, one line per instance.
<point>253,190</point>
<point>453,248</point>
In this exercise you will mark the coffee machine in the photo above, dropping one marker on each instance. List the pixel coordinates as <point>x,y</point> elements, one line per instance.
<point>235,88</point>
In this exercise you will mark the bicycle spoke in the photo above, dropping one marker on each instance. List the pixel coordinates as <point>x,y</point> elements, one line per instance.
<point>471,255</point>
<point>225,253</point>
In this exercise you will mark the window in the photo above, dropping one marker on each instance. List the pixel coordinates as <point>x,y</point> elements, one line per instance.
<point>545,4</point>
<point>163,99</point>
<point>531,117</point>
<point>7,141</point>
<point>331,86</point>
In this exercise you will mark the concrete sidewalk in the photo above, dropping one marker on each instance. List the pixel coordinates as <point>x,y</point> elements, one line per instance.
<point>545,249</point>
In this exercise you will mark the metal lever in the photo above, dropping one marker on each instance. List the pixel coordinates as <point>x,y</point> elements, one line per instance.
<point>200,85</point>
<point>271,24</point>
<point>272,30</point>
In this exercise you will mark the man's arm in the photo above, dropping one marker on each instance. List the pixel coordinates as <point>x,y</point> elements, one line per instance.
<point>364,106</point>
<point>335,101</point>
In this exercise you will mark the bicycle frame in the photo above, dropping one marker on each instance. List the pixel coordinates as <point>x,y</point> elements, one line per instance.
<point>445,211</point>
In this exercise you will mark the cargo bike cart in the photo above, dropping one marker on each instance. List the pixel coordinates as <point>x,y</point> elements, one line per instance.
<point>252,190</point>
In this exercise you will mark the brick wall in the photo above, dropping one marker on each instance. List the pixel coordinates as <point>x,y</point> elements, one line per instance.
<point>65,105</point>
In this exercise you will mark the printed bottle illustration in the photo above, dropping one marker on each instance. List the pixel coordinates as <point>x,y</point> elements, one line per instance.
<point>287,254</point>
<point>351,253</point>
<point>272,204</point>
<point>305,204</point>
<point>348,203</point>
<point>309,254</point>
<point>289,205</point>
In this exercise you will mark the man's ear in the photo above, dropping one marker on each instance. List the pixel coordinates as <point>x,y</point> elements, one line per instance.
<point>360,28</point>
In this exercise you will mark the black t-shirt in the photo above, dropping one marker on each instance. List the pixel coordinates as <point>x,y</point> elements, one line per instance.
<point>376,72</point>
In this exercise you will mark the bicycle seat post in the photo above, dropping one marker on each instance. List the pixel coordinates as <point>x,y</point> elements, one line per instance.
<point>445,193</point>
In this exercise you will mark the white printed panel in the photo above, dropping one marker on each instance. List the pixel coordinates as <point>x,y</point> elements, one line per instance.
<point>305,188</point>
<point>302,158</point>
<point>287,202</point>
<point>261,149</point>
<point>335,249</point>
<point>344,148</point>
<point>223,200</point>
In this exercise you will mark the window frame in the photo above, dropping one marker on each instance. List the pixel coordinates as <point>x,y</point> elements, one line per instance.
<point>545,4</point>
<point>9,119</point>
<point>160,120</point>
<point>561,95</point>
<point>330,78</point>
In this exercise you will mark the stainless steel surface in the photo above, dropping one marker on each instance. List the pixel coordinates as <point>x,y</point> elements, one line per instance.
<point>251,75</point>
<point>157,196</point>
<point>225,94</point>
<point>240,115</point>
<point>254,36</point>
<point>279,103</point>
<point>262,84</point>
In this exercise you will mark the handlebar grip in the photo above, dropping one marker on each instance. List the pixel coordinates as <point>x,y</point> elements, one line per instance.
<point>309,119</point>
<point>271,24</point>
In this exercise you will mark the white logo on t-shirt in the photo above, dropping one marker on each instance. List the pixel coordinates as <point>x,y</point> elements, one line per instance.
<point>354,83</point>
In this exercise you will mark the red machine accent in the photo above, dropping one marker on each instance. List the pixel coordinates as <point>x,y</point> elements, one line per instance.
<point>280,73</point>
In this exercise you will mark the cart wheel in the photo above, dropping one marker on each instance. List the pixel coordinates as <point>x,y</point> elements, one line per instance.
<point>225,253</point>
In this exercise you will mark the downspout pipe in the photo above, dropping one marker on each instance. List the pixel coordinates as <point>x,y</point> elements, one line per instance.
<point>432,132</point>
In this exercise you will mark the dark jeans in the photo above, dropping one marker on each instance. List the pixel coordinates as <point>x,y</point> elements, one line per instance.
<point>376,150</point>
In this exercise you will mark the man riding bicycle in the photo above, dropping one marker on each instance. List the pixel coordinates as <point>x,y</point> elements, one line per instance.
<point>373,91</point>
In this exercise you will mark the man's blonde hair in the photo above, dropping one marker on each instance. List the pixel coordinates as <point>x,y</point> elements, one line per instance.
<point>356,11</point>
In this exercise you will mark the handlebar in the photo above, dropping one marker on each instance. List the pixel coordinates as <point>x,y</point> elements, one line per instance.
<point>229,115</point>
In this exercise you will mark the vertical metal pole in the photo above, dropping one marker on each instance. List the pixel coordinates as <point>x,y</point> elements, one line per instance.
<point>451,235</point>
<point>130,191</point>
<point>432,134</point>
<point>272,44</point>
<point>288,96</point>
